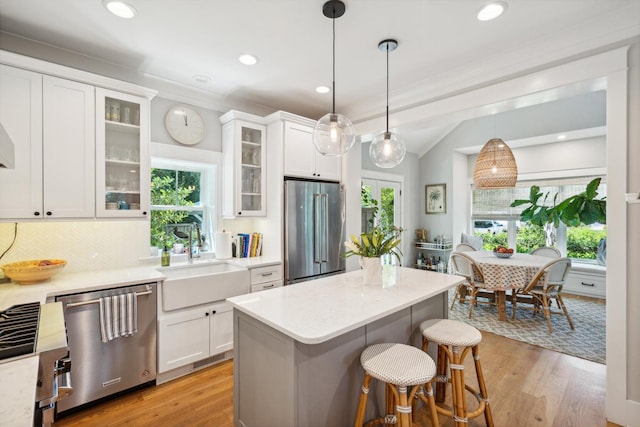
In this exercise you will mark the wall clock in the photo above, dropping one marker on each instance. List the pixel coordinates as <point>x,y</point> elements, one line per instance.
<point>184,124</point>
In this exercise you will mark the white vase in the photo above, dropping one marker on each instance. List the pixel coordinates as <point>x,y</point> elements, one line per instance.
<point>371,270</point>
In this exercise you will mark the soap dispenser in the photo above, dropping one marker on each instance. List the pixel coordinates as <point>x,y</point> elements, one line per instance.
<point>166,257</point>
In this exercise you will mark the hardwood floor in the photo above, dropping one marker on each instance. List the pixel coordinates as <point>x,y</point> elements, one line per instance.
<point>527,385</point>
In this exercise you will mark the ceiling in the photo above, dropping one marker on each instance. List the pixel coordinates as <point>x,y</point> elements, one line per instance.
<point>443,49</point>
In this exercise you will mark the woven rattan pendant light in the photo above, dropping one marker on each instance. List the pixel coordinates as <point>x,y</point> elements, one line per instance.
<point>495,166</point>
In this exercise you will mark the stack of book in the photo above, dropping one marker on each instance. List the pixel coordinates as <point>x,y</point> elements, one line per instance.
<point>249,245</point>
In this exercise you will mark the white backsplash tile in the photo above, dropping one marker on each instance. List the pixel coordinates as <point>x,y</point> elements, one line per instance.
<point>86,245</point>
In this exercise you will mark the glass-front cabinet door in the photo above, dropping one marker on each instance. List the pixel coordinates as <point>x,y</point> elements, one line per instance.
<point>122,155</point>
<point>244,169</point>
<point>251,150</point>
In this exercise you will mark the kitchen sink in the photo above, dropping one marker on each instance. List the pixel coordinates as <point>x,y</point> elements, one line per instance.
<point>202,283</point>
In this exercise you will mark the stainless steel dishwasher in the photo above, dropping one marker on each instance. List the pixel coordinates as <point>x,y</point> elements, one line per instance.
<point>101,369</point>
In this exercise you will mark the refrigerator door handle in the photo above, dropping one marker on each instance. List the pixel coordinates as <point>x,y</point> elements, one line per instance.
<point>317,215</point>
<point>325,216</point>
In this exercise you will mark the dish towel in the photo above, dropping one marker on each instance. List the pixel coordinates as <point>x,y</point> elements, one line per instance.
<point>118,316</point>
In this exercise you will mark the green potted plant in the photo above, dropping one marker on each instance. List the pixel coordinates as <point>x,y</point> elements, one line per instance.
<point>370,246</point>
<point>583,208</point>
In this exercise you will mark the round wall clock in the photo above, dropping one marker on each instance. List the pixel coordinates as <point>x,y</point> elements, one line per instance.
<point>184,124</point>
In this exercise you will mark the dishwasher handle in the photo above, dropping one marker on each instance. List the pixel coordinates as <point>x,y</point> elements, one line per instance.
<point>96,301</point>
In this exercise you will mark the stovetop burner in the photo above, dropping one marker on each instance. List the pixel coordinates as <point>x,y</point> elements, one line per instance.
<point>19,329</point>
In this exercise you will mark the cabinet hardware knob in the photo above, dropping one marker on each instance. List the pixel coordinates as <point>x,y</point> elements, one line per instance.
<point>213,312</point>
<point>587,284</point>
<point>36,213</point>
<point>239,213</point>
<point>206,313</point>
<point>49,213</point>
<point>144,213</point>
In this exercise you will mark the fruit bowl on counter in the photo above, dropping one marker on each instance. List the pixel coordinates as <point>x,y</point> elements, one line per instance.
<point>502,252</point>
<point>32,271</point>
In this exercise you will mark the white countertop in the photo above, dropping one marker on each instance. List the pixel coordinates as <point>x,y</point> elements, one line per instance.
<point>16,399</point>
<point>318,310</point>
<point>65,283</point>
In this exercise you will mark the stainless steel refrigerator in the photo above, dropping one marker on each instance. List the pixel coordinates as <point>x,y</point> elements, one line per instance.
<point>314,224</point>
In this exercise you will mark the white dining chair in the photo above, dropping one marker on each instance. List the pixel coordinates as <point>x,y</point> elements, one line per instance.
<point>464,266</point>
<point>547,286</point>
<point>547,251</point>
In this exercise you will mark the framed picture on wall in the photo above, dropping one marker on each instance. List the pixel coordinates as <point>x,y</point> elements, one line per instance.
<point>435,199</point>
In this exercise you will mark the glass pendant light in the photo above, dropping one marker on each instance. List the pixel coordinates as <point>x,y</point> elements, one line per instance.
<point>387,149</point>
<point>333,134</point>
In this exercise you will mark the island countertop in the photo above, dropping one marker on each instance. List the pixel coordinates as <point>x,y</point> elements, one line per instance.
<point>318,310</point>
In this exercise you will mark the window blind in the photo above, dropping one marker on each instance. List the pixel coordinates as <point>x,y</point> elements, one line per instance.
<point>494,204</point>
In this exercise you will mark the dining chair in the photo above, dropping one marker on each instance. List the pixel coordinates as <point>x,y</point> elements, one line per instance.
<point>545,287</point>
<point>547,251</point>
<point>476,241</point>
<point>464,247</point>
<point>464,266</point>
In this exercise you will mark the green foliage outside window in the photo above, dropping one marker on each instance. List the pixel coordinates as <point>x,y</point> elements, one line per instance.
<point>165,192</point>
<point>582,242</point>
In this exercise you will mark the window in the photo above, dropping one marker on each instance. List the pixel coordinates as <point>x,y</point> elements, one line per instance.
<point>179,196</point>
<point>491,207</point>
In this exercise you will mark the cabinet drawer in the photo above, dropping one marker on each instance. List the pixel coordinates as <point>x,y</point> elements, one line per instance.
<point>582,283</point>
<point>265,274</point>
<point>264,286</point>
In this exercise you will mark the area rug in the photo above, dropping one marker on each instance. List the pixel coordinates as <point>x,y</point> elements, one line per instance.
<point>587,341</point>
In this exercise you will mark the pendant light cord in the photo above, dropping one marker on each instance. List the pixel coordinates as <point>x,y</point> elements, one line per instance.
<point>387,87</point>
<point>333,83</point>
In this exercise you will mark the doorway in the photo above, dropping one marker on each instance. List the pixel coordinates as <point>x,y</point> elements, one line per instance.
<point>381,204</point>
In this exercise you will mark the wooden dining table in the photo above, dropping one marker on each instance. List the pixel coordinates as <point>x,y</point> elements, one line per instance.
<point>501,274</point>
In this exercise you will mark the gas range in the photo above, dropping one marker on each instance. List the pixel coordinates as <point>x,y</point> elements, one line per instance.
<point>19,330</point>
<point>32,329</point>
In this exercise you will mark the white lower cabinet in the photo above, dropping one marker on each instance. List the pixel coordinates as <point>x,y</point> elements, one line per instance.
<point>267,277</point>
<point>193,334</point>
<point>592,284</point>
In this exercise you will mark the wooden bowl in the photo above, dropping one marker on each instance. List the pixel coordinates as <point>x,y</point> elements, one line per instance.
<point>33,271</point>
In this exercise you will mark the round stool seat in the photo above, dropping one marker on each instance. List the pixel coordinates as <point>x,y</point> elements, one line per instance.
<point>399,364</point>
<point>450,332</point>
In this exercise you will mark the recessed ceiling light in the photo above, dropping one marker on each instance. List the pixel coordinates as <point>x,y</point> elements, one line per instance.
<point>323,89</point>
<point>120,8</point>
<point>491,11</point>
<point>248,59</point>
<point>562,136</point>
<point>199,78</point>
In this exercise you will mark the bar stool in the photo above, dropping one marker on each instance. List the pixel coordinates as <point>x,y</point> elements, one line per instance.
<point>454,340</point>
<point>399,366</point>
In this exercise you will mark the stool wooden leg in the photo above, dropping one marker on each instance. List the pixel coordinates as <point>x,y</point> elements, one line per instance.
<point>403,408</point>
<point>362,405</point>
<point>441,372</point>
<point>458,388</point>
<point>483,389</point>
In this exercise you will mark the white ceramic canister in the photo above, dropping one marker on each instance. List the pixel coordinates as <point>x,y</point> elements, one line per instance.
<point>223,244</point>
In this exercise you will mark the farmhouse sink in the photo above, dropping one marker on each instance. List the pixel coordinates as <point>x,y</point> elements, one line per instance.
<point>202,283</point>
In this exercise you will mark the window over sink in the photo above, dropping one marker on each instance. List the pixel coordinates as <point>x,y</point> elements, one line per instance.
<point>182,193</point>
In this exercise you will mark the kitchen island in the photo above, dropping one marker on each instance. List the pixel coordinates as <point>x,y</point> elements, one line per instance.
<point>297,348</point>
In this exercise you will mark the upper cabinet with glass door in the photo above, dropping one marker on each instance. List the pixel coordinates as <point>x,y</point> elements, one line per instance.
<point>122,155</point>
<point>244,169</point>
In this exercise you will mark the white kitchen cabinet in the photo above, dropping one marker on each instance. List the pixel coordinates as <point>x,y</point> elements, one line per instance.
<point>301,159</point>
<point>189,335</point>
<point>52,127</point>
<point>266,277</point>
<point>244,149</point>
<point>585,282</point>
<point>122,155</point>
